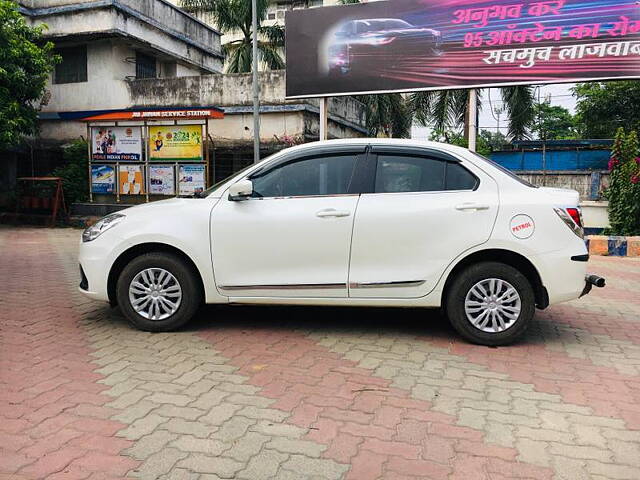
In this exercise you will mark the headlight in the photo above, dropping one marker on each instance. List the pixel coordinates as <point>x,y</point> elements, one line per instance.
<point>101,226</point>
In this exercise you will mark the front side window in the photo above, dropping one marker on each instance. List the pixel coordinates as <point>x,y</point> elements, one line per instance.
<point>326,175</point>
<point>73,67</point>
<point>404,173</point>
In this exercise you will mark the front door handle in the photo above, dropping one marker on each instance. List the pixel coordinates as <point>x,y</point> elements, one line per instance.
<point>332,213</point>
<point>465,207</point>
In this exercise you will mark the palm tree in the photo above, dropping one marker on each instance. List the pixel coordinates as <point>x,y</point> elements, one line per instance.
<point>446,109</point>
<point>387,114</point>
<point>234,16</point>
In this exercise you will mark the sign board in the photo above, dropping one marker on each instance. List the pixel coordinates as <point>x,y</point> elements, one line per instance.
<point>116,144</point>
<point>191,179</point>
<point>404,45</point>
<point>167,114</point>
<point>131,180</point>
<point>103,179</point>
<point>162,180</point>
<point>175,143</point>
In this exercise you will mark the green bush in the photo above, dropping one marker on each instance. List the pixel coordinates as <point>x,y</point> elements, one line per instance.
<point>74,172</point>
<point>624,190</point>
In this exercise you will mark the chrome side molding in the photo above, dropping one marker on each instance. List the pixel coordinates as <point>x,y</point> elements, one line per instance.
<point>306,286</point>
<point>408,283</point>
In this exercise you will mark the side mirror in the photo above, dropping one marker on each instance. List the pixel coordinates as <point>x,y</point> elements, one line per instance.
<point>240,190</point>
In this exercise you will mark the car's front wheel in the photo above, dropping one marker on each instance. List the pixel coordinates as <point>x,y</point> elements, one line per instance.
<point>158,292</point>
<point>490,304</point>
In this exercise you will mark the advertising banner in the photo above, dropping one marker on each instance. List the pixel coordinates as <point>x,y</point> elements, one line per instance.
<point>175,142</point>
<point>404,45</point>
<point>191,179</point>
<point>117,144</point>
<point>103,179</point>
<point>161,180</point>
<point>131,180</point>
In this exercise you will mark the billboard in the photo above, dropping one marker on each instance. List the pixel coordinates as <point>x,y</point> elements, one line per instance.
<point>403,45</point>
<point>103,179</point>
<point>161,180</point>
<point>116,144</point>
<point>175,143</point>
<point>131,180</point>
<point>191,179</point>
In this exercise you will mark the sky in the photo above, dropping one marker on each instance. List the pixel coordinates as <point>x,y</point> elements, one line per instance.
<point>558,94</point>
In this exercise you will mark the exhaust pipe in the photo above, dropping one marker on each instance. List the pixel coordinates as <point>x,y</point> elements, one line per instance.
<point>592,281</point>
<point>596,281</point>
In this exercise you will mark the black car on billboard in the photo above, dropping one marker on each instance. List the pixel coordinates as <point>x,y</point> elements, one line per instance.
<point>376,42</point>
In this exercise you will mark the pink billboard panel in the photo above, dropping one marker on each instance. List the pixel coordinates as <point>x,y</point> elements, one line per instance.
<point>403,45</point>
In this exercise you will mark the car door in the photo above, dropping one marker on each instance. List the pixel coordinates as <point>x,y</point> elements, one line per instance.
<point>291,238</point>
<point>424,210</point>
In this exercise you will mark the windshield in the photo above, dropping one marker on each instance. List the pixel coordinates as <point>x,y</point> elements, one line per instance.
<point>504,170</point>
<point>379,25</point>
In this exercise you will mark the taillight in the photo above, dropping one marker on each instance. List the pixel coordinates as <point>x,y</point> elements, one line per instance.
<point>576,215</point>
<point>572,217</point>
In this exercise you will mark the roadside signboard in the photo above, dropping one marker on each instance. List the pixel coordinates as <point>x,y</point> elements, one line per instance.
<point>407,45</point>
<point>116,144</point>
<point>131,180</point>
<point>103,179</point>
<point>162,180</point>
<point>175,143</point>
<point>191,179</point>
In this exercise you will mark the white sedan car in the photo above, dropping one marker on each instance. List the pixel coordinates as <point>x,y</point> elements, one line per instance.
<point>364,222</point>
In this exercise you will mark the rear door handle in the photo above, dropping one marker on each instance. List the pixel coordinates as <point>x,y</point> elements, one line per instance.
<point>465,207</point>
<point>332,213</point>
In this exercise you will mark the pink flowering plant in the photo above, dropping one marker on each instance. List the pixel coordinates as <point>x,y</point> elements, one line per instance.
<point>624,189</point>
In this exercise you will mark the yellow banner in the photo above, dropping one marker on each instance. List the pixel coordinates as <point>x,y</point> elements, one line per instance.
<point>175,142</point>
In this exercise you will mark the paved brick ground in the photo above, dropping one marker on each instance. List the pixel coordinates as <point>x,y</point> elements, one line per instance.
<point>308,393</point>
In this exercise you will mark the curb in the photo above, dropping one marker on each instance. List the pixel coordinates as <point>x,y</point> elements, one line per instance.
<point>613,246</point>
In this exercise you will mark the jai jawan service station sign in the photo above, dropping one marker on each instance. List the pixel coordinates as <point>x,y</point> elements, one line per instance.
<point>403,45</point>
<point>175,143</point>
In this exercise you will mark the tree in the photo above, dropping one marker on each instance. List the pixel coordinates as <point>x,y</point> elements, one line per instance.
<point>603,107</point>
<point>554,122</point>
<point>446,109</point>
<point>458,139</point>
<point>387,114</point>
<point>624,189</point>
<point>234,16</point>
<point>495,141</point>
<point>25,63</point>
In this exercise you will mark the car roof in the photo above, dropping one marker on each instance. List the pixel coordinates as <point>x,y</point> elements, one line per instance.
<point>381,141</point>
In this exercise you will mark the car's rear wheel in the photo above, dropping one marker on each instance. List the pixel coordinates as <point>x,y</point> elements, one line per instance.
<point>490,304</point>
<point>158,292</point>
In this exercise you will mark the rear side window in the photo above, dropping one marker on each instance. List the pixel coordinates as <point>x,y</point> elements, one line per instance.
<point>403,173</point>
<point>326,175</point>
<point>459,178</point>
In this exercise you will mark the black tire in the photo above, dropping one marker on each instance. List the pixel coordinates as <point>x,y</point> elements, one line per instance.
<point>465,281</point>
<point>183,273</point>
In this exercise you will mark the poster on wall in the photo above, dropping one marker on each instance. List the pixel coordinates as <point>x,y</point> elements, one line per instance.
<point>131,180</point>
<point>191,179</point>
<point>161,180</point>
<point>116,144</point>
<point>175,143</point>
<point>103,179</point>
<point>408,45</point>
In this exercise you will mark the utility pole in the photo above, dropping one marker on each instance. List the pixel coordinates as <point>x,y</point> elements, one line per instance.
<point>323,119</point>
<point>472,119</point>
<point>256,85</point>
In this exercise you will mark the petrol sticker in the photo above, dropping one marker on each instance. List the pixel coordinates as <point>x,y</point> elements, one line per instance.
<point>522,226</point>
